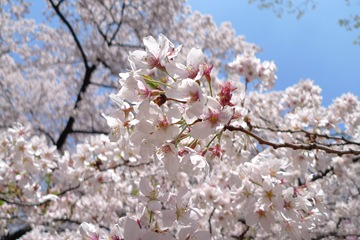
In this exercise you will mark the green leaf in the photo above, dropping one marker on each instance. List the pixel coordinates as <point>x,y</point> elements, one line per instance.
<point>56,193</point>
<point>48,179</point>
<point>135,192</point>
<point>150,81</point>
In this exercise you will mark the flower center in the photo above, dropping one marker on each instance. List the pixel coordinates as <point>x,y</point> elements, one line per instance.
<point>153,195</point>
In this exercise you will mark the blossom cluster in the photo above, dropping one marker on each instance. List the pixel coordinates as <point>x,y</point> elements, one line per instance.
<point>177,114</point>
<point>190,156</point>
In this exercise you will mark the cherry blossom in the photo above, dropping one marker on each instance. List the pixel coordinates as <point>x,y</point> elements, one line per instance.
<point>157,53</point>
<point>212,116</point>
<point>185,155</point>
<point>192,69</point>
<point>152,196</point>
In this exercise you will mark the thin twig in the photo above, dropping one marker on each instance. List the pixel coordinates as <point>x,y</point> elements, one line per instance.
<point>209,220</point>
<point>311,146</point>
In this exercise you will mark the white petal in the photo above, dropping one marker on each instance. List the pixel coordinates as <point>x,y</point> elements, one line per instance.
<point>251,218</point>
<point>138,57</point>
<point>172,165</point>
<point>184,233</point>
<point>131,229</point>
<point>151,45</point>
<point>87,230</point>
<point>154,205</point>
<point>202,235</point>
<point>194,58</point>
<point>201,130</point>
<point>145,186</point>
<point>168,217</point>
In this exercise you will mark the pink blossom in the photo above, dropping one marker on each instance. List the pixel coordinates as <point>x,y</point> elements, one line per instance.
<point>192,68</point>
<point>156,53</point>
<point>212,117</point>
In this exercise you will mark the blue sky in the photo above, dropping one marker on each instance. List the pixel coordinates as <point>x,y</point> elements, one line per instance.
<point>314,47</point>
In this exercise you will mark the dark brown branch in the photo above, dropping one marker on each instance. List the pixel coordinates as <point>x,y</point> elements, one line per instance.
<point>119,24</point>
<point>68,220</point>
<point>209,220</point>
<point>22,204</point>
<point>337,235</point>
<point>99,28</point>
<point>91,176</point>
<point>175,100</point>
<point>242,235</point>
<point>309,134</point>
<point>125,45</point>
<point>320,174</point>
<point>89,132</point>
<point>126,163</point>
<point>63,135</point>
<point>6,51</point>
<point>60,2</point>
<point>103,63</point>
<point>71,188</point>
<point>86,80</point>
<point>109,11</point>
<point>69,126</point>
<point>104,35</point>
<point>311,146</point>
<point>21,232</point>
<point>47,134</point>
<point>104,85</point>
<point>7,96</point>
<point>17,234</point>
<point>66,22</point>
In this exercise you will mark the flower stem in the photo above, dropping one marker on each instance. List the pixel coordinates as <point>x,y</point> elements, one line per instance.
<point>211,93</point>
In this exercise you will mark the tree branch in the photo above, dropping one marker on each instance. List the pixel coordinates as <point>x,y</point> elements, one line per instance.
<point>320,175</point>
<point>66,22</point>
<point>86,83</point>
<point>22,204</point>
<point>209,220</point>
<point>337,235</point>
<point>47,134</point>
<point>63,135</point>
<point>119,24</point>
<point>69,126</point>
<point>89,132</point>
<point>128,45</point>
<point>310,146</point>
<point>104,85</point>
<point>86,80</point>
<point>76,222</point>
<point>242,235</point>
<point>17,234</point>
<point>309,134</point>
<point>71,188</point>
<point>126,163</point>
